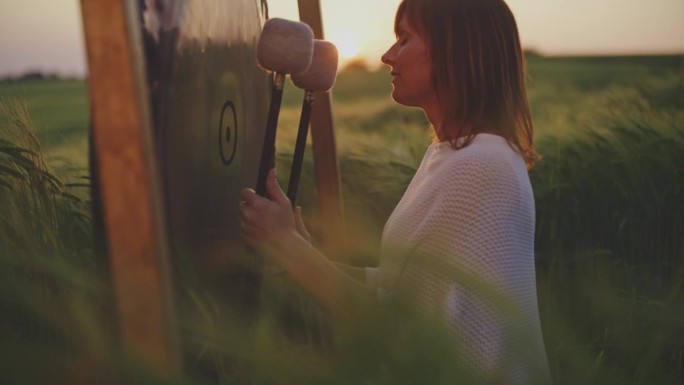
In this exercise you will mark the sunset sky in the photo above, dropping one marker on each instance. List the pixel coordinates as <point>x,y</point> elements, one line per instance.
<point>47,34</point>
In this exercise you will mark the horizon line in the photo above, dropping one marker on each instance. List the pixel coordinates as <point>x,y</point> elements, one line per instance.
<point>371,64</point>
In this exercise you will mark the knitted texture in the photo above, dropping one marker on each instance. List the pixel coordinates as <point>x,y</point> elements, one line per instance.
<point>461,243</point>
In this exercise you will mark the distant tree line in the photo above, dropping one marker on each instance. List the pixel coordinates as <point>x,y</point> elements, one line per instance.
<point>37,76</point>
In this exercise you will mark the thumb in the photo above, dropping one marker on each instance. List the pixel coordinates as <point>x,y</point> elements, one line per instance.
<point>299,223</point>
<point>277,194</point>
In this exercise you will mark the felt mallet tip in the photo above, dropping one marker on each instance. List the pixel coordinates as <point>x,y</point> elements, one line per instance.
<point>285,46</point>
<point>320,76</point>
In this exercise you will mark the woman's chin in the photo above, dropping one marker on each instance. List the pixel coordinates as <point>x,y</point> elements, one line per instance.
<point>399,98</point>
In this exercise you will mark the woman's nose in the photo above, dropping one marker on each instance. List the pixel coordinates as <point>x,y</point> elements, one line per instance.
<point>388,57</point>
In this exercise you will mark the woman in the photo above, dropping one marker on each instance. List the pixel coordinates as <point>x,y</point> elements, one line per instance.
<point>461,240</point>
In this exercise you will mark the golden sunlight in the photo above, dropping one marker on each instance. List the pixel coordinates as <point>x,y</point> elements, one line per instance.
<point>348,44</point>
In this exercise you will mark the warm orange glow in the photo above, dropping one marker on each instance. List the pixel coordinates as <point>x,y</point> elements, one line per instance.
<point>348,44</point>
<point>33,30</point>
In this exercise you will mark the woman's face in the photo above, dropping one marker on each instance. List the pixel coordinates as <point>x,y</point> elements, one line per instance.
<point>409,59</point>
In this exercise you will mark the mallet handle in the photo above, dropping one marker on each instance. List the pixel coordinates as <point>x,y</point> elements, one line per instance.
<point>268,149</point>
<point>300,147</point>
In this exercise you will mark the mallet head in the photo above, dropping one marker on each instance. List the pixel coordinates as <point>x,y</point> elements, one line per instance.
<point>320,76</point>
<point>285,46</point>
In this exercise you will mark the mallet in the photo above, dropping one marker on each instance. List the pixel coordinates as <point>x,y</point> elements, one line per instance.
<point>285,47</point>
<point>320,76</point>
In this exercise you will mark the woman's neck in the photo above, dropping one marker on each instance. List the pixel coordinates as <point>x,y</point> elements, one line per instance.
<point>449,131</point>
<point>436,119</point>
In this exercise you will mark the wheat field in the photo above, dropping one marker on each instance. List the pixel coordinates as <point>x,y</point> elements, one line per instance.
<point>609,194</point>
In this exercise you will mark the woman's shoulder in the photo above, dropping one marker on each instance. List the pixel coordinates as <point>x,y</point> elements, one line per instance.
<point>487,169</point>
<point>492,147</point>
<point>486,154</point>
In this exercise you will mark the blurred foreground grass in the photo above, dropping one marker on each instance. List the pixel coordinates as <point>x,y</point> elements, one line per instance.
<point>610,251</point>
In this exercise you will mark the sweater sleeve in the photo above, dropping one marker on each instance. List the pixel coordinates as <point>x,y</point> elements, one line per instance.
<point>474,253</point>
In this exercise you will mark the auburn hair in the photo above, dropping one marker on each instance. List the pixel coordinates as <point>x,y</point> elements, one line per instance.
<point>478,69</point>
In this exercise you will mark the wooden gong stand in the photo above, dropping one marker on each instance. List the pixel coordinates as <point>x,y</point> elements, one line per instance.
<point>133,213</point>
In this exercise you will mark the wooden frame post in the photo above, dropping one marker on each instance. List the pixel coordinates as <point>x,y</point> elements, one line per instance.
<point>326,164</point>
<point>131,199</point>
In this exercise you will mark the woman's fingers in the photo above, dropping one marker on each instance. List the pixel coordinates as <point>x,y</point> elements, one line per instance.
<point>251,211</point>
<point>266,220</point>
<point>249,195</point>
<point>299,223</point>
<point>274,190</point>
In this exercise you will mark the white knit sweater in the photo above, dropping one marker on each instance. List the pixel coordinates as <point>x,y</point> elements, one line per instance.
<point>467,219</point>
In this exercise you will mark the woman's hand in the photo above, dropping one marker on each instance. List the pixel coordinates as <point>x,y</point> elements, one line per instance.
<point>274,229</point>
<point>266,223</point>
<point>299,223</point>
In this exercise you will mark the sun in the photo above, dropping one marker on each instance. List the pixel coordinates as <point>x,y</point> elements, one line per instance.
<point>348,44</point>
